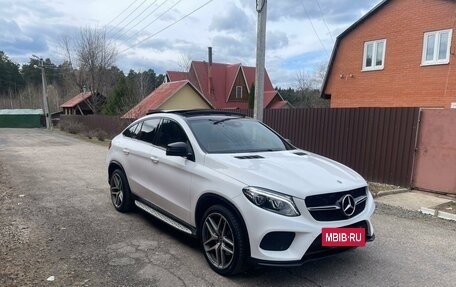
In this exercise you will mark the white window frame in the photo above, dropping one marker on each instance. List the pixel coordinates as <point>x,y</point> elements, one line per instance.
<point>239,95</point>
<point>435,60</point>
<point>374,67</point>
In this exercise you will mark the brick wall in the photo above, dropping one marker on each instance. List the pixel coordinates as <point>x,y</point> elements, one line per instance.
<point>403,82</point>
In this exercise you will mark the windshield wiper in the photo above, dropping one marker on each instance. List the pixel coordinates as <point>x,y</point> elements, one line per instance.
<point>224,120</point>
<point>266,150</point>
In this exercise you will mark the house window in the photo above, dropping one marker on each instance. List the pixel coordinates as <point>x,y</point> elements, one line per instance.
<point>436,47</point>
<point>374,55</point>
<point>238,92</point>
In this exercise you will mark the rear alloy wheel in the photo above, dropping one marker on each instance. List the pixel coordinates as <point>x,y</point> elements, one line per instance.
<point>120,191</point>
<point>223,241</point>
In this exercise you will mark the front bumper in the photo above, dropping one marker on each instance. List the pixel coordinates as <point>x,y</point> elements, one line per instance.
<point>306,244</point>
<point>315,252</point>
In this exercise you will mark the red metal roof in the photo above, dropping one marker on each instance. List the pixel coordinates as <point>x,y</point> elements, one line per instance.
<point>74,101</point>
<point>155,99</point>
<point>175,76</point>
<point>249,73</point>
<point>223,77</point>
<point>159,96</point>
<point>269,97</point>
<point>278,105</point>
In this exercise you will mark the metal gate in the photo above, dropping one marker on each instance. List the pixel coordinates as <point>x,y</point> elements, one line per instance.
<point>435,164</point>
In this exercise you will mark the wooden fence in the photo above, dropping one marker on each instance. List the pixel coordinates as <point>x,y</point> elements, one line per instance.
<point>378,143</point>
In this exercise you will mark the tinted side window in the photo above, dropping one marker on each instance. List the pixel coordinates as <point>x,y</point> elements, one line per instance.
<point>132,132</point>
<point>149,130</point>
<point>170,132</point>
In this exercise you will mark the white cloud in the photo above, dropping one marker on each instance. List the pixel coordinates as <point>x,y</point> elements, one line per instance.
<point>33,27</point>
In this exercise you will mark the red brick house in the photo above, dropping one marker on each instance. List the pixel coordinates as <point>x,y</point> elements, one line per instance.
<point>227,86</point>
<point>400,54</point>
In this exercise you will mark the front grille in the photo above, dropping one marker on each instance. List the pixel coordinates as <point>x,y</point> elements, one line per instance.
<point>333,199</point>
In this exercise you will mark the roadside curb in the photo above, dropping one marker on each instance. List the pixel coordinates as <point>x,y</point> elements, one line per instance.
<point>390,192</point>
<point>438,213</point>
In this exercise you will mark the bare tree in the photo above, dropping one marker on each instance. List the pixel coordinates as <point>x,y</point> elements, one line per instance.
<point>320,73</point>
<point>308,87</point>
<point>304,80</point>
<point>142,80</point>
<point>184,62</point>
<point>69,74</point>
<point>94,55</point>
<point>66,47</point>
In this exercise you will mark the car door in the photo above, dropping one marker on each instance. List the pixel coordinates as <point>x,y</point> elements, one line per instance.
<point>171,174</point>
<point>125,145</point>
<point>139,163</point>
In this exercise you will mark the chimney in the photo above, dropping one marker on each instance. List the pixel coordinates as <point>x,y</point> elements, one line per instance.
<point>209,54</point>
<point>209,71</point>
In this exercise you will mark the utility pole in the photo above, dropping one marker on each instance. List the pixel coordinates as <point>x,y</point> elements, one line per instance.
<point>45,97</point>
<point>261,7</point>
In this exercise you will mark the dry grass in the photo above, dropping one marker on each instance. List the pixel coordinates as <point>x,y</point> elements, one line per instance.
<point>377,188</point>
<point>72,127</point>
<point>83,137</point>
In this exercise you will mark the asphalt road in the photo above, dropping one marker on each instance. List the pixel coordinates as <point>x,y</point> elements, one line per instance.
<point>56,219</point>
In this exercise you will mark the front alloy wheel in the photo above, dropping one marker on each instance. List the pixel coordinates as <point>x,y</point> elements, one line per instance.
<point>224,240</point>
<point>218,241</point>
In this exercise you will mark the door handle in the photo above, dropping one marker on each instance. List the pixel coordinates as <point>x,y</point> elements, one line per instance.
<point>126,151</point>
<point>154,159</point>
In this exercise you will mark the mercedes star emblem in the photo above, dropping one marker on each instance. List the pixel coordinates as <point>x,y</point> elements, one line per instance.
<point>348,205</point>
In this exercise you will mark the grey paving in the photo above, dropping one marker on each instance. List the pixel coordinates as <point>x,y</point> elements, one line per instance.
<point>56,219</point>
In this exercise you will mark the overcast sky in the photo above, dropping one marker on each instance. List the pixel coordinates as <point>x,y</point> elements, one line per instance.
<point>300,33</point>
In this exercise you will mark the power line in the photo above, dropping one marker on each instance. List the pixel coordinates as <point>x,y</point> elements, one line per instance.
<point>150,23</point>
<point>134,10</point>
<point>112,20</point>
<point>144,18</point>
<point>170,25</point>
<point>315,31</point>
<point>324,20</point>
<point>135,18</point>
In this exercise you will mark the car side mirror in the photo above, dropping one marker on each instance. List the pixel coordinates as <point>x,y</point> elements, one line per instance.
<point>178,149</point>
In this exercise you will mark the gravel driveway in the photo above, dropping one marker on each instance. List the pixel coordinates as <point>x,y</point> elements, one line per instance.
<point>56,219</point>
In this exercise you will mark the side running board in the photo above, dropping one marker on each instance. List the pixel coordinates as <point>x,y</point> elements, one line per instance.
<point>163,217</point>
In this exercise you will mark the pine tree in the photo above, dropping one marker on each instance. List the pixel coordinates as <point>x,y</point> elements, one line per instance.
<point>252,96</point>
<point>114,105</point>
<point>11,80</point>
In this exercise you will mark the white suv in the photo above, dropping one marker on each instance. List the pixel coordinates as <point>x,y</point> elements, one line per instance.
<point>246,192</point>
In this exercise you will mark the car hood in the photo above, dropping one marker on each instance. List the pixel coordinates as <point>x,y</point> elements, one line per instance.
<point>297,173</point>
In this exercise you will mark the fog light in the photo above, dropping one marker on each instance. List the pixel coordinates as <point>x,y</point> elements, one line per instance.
<point>277,241</point>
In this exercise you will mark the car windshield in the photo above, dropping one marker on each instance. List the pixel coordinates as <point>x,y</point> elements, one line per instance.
<point>235,135</point>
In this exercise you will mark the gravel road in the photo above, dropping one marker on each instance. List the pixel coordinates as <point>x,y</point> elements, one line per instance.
<point>56,219</point>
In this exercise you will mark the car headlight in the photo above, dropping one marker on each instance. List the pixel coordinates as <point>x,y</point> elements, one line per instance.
<point>271,200</point>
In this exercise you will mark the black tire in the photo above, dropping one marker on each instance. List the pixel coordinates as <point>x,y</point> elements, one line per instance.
<point>120,192</point>
<point>222,232</point>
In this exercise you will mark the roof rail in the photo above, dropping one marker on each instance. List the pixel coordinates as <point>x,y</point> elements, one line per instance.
<point>197,112</point>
